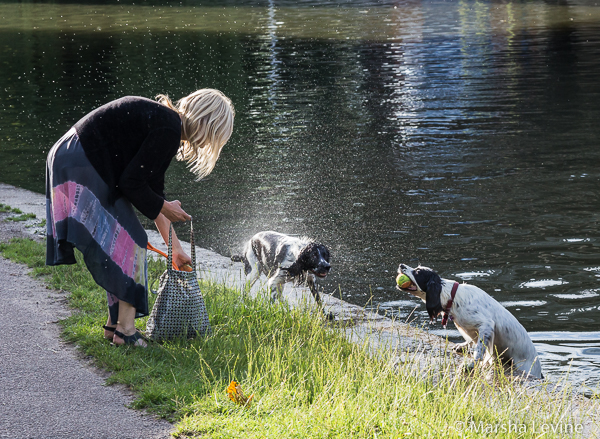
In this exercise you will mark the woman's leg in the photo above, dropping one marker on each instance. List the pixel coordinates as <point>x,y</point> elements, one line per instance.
<point>126,324</point>
<point>108,333</point>
<point>113,315</point>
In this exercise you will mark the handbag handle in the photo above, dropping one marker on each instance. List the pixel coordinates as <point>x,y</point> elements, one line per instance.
<point>193,255</point>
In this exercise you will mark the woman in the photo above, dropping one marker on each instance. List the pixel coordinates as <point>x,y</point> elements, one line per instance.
<point>116,157</point>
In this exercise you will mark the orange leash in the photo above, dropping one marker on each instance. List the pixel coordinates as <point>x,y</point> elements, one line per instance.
<point>185,267</point>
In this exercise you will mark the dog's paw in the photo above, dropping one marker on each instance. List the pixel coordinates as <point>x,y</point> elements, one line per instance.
<point>469,368</point>
<point>329,316</point>
<point>461,348</point>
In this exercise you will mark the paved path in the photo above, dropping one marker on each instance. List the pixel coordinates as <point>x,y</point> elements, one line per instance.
<point>46,389</point>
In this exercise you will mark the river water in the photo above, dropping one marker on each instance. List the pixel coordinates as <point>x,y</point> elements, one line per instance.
<point>461,135</point>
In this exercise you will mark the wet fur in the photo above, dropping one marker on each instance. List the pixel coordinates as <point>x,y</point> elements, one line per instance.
<point>480,319</point>
<point>284,258</point>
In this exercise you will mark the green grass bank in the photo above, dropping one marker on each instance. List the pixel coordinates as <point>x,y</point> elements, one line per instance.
<point>308,381</point>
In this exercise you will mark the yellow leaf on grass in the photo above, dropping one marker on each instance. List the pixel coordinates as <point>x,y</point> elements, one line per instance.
<point>234,391</point>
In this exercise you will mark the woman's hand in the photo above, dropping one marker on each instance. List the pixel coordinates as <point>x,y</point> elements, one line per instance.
<point>173,212</point>
<point>180,258</point>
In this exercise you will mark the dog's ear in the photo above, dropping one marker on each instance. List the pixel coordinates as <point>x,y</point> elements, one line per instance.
<point>294,269</point>
<point>302,263</point>
<point>325,252</point>
<point>432,295</point>
<point>305,256</point>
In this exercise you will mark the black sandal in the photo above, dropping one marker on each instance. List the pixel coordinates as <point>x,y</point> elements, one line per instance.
<point>131,339</point>
<point>109,329</point>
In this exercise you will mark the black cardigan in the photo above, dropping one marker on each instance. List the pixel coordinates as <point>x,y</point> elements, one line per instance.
<point>131,142</point>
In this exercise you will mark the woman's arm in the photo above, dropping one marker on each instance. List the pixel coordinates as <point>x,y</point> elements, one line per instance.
<point>180,258</point>
<point>173,212</point>
<point>142,181</point>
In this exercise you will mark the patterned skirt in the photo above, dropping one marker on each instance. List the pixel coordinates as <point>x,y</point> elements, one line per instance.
<point>82,213</point>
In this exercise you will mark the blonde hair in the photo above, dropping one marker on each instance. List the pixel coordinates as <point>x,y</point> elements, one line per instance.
<point>207,123</point>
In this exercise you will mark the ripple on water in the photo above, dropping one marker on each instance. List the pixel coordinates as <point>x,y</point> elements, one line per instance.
<point>399,304</point>
<point>524,303</point>
<point>585,294</point>
<point>474,274</point>
<point>591,351</point>
<point>572,354</point>
<point>543,283</point>
<point>557,336</point>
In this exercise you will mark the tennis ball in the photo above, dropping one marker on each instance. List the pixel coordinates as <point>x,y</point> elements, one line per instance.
<point>403,281</point>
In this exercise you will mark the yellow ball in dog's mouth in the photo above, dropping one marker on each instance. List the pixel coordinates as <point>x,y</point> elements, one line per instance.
<point>403,281</point>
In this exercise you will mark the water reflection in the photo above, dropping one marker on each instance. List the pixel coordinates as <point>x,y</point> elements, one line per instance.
<point>458,135</point>
<point>577,353</point>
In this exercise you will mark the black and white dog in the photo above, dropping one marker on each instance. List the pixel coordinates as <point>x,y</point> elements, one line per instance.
<point>479,318</point>
<point>284,258</point>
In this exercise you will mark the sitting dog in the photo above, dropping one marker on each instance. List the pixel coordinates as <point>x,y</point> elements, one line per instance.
<point>478,317</point>
<point>282,259</point>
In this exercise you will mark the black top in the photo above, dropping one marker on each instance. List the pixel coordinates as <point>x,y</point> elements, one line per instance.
<point>131,142</point>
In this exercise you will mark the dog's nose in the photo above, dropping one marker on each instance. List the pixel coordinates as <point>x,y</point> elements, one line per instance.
<point>402,267</point>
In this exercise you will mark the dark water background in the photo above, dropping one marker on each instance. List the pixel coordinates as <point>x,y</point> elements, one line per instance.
<point>461,135</point>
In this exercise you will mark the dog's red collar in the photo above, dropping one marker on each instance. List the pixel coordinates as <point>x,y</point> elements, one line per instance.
<point>449,304</point>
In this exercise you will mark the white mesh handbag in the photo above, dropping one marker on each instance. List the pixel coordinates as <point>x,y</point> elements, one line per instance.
<point>179,309</point>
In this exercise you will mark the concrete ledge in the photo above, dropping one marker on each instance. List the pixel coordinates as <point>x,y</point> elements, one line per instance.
<point>359,324</point>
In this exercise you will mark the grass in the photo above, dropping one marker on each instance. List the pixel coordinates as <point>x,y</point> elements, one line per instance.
<point>5,208</point>
<point>308,381</point>
<point>22,217</point>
